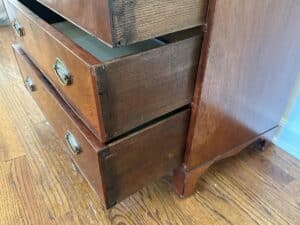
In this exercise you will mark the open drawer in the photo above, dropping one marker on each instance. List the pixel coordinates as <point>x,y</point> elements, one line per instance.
<point>118,169</point>
<point>119,22</point>
<point>113,91</point>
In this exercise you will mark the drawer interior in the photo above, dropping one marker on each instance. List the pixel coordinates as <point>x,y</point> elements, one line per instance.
<point>97,48</point>
<point>100,50</point>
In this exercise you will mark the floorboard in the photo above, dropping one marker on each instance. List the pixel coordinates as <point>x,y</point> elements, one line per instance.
<point>39,184</point>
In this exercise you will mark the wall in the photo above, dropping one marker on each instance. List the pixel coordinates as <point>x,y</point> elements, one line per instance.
<point>288,137</point>
<point>3,16</point>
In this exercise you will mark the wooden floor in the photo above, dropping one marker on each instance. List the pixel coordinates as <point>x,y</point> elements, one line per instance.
<point>39,185</point>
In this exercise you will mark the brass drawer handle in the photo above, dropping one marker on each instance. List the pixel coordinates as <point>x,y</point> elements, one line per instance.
<point>72,143</point>
<point>18,28</point>
<point>29,84</point>
<point>62,72</point>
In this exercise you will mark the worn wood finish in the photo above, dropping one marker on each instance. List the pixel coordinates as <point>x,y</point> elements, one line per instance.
<point>159,80</point>
<point>138,20</point>
<point>145,156</point>
<point>19,194</point>
<point>185,180</point>
<point>120,23</point>
<point>247,70</point>
<point>239,190</point>
<point>142,87</point>
<point>121,168</point>
<point>9,76</point>
<point>39,35</point>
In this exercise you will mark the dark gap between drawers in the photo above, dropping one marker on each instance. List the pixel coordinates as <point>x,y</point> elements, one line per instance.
<point>132,131</point>
<point>149,123</point>
<point>42,11</point>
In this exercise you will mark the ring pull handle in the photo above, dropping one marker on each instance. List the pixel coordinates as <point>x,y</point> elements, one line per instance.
<point>18,28</point>
<point>72,143</point>
<point>62,72</point>
<point>29,84</point>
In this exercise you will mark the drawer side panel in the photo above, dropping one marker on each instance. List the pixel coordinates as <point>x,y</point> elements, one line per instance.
<point>145,156</point>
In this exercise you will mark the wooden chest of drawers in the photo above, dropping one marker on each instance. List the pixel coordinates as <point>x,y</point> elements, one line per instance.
<point>137,112</point>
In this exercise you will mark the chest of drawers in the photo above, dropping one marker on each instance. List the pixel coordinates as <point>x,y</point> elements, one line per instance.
<point>136,112</point>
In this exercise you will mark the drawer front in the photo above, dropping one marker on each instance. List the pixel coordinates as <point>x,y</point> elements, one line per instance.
<point>119,22</point>
<point>63,120</point>
<point>122,167</point>
<point>68,67</point>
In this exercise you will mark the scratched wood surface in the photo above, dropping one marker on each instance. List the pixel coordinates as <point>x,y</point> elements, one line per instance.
<point>39,185</point>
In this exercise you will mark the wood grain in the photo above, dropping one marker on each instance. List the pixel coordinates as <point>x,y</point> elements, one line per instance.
<point>64,120</point>
<point>121,168</point>
<point>138,20</point>
<point>146,155</point>
<point>247,71</point>
<point>160,79</point>
<point>18,191</point>
<point>120,23</point>
<point>9,73</point>
<point>91,15</point>
<point>81,94</point>
<point>10,147</point>
<point>251,188</point>
<point>139,88</point>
